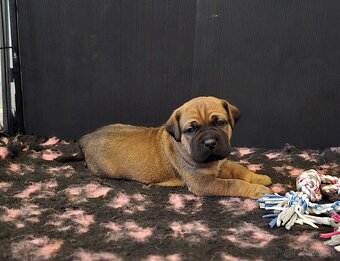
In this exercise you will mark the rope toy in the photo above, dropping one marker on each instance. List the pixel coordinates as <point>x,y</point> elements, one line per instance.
<point>299,207</point>
<point>333,236</point>
<point>296,208</point>
<point>310,181</point>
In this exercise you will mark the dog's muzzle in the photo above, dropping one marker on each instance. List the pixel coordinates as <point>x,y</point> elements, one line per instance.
<point>208,145</point>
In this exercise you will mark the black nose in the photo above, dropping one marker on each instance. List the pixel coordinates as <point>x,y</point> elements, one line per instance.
<point>210,143</point>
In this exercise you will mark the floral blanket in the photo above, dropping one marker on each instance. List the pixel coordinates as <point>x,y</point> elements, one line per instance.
<point>52,208</point>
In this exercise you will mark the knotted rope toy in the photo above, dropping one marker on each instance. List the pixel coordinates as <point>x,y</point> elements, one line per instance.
<point>299,207</point>
<point>310,182</point>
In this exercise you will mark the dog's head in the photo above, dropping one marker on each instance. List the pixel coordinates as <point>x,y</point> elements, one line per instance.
<point>204,126</point>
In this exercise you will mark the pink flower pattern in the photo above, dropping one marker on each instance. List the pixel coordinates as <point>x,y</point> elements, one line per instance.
<point>56,210</point>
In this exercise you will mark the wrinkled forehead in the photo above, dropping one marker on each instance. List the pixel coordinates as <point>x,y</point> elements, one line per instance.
<point>202,111</point>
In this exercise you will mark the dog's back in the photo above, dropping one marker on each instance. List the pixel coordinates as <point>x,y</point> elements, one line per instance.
<point>124,151</point>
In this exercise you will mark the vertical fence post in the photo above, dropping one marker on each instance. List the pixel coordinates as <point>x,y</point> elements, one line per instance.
<point>10,70</point>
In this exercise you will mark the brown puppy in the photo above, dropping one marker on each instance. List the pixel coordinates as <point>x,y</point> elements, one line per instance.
<point>189,149</point>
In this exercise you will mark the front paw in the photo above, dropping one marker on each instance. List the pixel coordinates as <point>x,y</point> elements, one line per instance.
<point>260,191</point>
<point>262,179</point>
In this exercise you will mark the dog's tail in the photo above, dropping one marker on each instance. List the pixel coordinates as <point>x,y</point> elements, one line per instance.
<point>70,152</point>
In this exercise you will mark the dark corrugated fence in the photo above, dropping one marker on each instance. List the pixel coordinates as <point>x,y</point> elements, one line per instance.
<point>87,63</point>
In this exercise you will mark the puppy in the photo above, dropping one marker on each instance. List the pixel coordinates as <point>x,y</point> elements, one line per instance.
<point>189,149</point>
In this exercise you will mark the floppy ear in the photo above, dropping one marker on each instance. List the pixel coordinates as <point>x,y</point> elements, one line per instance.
<point>172,126</point>
<point>233,112</point>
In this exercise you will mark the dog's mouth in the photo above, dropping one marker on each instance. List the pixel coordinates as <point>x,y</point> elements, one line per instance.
<point>209,146</point>
<point>210,158</point>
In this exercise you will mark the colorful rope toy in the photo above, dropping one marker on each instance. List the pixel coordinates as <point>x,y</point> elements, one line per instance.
<point>310,182</point>
<point>299,207</point>
<point>296,208</point>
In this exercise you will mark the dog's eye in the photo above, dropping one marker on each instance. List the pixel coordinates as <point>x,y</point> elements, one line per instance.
<point>220,122</point>
<point>190,130</point>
